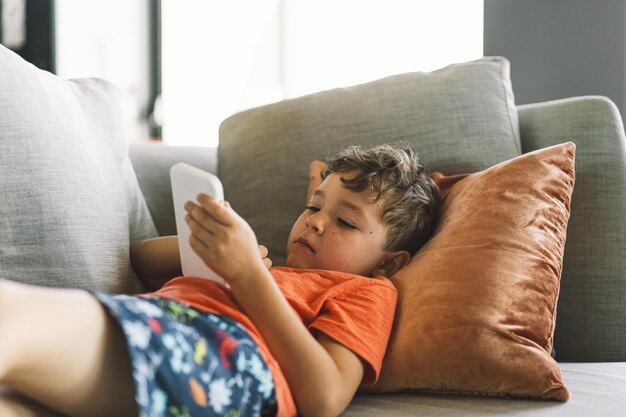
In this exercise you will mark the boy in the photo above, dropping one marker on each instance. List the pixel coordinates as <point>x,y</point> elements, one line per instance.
<point>318,327</point>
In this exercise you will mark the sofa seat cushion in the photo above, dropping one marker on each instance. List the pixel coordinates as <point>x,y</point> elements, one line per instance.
<point>70,205</point>
<point>597,390</point>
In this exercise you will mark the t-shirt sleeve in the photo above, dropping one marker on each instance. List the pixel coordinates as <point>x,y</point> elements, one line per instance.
<point>361,320</point>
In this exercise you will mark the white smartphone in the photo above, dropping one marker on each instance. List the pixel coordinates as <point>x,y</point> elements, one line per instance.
<point>187,182</point>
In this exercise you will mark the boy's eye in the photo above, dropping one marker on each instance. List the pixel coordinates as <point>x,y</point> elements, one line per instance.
<point>312,209</point>
<point>345,224</point>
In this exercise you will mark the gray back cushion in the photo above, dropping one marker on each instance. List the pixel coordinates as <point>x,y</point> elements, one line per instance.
<point>70,206</point>
<point>591,319</point>
<point>152,162</point>
<point>461,118</point>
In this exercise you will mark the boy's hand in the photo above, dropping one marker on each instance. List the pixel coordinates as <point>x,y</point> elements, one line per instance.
<point>222,239</point>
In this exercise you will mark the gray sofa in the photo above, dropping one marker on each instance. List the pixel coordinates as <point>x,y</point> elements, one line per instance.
<point>461,119</point>
<point>590,335</point>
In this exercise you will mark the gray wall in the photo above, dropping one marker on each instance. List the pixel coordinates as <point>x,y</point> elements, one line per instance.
<point>560,48</point>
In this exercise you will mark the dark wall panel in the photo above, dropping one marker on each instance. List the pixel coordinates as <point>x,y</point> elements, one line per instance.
<point>559,48</point>
<point>39,46</point>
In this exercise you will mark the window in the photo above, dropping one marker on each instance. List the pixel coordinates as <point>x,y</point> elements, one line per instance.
<point>108,39</point>
<point>220,57</point>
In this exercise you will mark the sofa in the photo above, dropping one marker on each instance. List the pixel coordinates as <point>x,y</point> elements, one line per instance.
<point>90,196</point>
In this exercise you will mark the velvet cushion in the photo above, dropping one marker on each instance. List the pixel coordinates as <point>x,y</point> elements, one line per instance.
<point>477,304</point>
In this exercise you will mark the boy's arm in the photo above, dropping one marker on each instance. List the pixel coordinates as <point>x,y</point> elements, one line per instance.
<point>322,374</point>
<point>156,261</point>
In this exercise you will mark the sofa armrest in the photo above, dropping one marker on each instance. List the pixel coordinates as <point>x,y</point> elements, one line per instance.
<point>152,162</point>
<point>591,314</point>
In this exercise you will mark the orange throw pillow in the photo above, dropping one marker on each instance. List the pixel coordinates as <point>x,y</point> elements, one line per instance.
<point>477,304</point>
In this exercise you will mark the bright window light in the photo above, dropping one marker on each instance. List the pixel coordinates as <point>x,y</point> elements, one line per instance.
<point>217,57</point>
<point>107,39</point>
<point>223,56</point>
<point>331,43</point>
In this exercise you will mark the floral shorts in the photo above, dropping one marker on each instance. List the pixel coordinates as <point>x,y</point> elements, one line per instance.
<point>189,363</point>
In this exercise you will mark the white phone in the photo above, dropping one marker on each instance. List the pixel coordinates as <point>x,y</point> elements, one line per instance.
<point>187,182</point>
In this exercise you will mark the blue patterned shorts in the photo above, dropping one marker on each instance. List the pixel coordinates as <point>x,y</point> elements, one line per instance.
<point>189,363</point>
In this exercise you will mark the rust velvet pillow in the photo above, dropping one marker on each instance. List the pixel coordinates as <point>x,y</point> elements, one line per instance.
<point>477,304</point>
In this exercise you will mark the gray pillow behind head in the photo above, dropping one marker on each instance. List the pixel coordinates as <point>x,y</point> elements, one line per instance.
<point>69,200</point>
<point>461,118</point>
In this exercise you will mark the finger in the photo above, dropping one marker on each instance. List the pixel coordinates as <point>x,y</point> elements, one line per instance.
<point>199,231</point>
<point>201,216</point>
<point>216,209</point>
<point>267,262</point>
<point>263,251</point>
<point>199,247</point>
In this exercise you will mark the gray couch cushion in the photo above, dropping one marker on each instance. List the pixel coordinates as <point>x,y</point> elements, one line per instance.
<point>461,118</point>
<point>597,390</point>
<point>70,205</point>
<point>152,163</point>
<point>592,305</point>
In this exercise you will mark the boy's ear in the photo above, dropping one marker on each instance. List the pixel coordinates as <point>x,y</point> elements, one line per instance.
<point>394,262</point>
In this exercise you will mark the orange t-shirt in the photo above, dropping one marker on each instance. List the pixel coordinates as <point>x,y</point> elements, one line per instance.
<point>353,310</point>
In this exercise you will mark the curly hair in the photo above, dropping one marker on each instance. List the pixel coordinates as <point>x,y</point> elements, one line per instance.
<point>410,198</point>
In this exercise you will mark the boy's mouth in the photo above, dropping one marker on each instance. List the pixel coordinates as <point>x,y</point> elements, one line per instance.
<point>302,241</point>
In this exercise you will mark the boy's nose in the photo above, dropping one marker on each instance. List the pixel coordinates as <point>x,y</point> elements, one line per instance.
<point>316,223</point>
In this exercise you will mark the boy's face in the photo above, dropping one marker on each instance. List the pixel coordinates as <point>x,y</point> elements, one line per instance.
<point>339,230</point>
